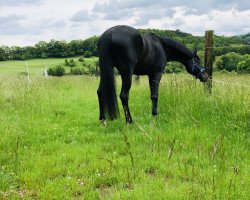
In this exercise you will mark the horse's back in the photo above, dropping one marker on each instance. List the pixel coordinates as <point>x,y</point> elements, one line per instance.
<point>133,52</point>
<point>126,45</point>
<point>123,36</point>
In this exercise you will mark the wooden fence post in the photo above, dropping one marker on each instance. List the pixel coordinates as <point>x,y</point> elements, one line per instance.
<point>209,41</point>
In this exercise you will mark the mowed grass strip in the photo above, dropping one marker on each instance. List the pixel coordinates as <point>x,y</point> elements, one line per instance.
<point>53,147</point>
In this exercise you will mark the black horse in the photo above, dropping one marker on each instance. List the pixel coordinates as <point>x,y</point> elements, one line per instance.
<point>131,53</point>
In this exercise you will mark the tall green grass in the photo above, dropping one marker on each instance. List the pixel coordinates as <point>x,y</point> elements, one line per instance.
<point>53,147</point>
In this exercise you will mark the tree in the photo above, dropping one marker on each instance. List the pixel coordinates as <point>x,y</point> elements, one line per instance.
<point>41,49</point>
<point>87,54</point>
<point>77,71</point>
<point>66,62</point>
<point>2,54</point>
<point>72,63</point>
<point>228,61</point>
<point>244,66</point>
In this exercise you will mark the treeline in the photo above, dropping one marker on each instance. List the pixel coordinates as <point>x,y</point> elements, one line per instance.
<point>222,44</point>
<point>63,49</point>
<point>225,48</point>
<point>52,49</point>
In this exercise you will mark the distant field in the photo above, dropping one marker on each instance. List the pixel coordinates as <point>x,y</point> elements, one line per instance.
<point>53,147</point>
<point>36,66</point>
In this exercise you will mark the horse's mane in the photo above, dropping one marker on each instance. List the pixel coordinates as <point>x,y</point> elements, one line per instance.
<point>177,46</point>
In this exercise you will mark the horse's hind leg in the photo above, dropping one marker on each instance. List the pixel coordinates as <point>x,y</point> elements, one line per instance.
<point>101,106</point>
<point>154,81</point>
<point>124,95</point>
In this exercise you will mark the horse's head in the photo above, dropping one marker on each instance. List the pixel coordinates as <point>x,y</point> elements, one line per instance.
<point>196,69</point>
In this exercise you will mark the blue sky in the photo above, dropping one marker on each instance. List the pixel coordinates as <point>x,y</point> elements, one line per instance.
<point>25,22</point>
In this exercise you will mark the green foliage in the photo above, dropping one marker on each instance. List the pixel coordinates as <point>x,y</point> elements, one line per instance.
<point>23,74</point>
<point>244,66</point>
<point>228,61</point>
<point>240,49</point>
<point>87,54</point>
<point>174,67</point>
<point>56,71</point>
<point>2,55</point>
<point>90,69</point>
<point>72,63</point>
<point>76,71</point>
<point>81,59</point>
<point>66,62</point>
<point>51,71</point>
<point>246,38</point>
<point>44,55</point>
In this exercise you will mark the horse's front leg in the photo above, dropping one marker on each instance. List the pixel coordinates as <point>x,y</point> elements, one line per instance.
<point>154,81</point>
<point>124,96</point>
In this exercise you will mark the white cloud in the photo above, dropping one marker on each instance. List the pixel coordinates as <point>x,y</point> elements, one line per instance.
<point>77,19</point>
<point>18,2</point>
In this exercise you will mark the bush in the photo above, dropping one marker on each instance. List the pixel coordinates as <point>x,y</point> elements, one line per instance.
<point>72,63</point>
<point>56,71</point>
<point>228,61</point>
<point>92,70</point>
<point>87,54</point>
<point>66,62</point>
<point>81,59</point>
<point>243,67</point>
<point>23,74</point>
<point>2,54</point>
<point>173,67</point>
<point>44,55</point>
<point>76,71</point>
<point>51,71</point>
<point>224,71</point>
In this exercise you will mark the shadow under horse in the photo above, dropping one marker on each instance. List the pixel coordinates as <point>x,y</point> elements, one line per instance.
<point>131,53</point>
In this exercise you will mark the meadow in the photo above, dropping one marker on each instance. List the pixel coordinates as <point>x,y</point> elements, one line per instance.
<point>52,145</point>
<point>37,66</point>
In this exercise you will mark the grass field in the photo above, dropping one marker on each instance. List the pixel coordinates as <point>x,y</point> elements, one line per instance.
<point>53,147</point>
<point>37,66</point>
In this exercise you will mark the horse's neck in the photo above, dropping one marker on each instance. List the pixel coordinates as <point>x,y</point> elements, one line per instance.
<point>173,55</point>
<point>175,51</point>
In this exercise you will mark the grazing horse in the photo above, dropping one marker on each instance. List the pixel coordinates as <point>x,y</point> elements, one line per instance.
<point>131,53</point>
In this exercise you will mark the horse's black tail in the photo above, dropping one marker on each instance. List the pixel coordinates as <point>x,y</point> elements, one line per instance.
<point>107,83</point>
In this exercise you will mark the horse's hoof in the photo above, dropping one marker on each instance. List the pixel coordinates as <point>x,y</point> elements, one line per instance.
<point>103,122</point>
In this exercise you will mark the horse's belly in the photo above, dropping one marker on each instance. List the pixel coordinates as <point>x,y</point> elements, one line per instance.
<point>142,69</point>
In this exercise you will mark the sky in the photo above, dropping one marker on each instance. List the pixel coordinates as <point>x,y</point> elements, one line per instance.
<point>26,22</point>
